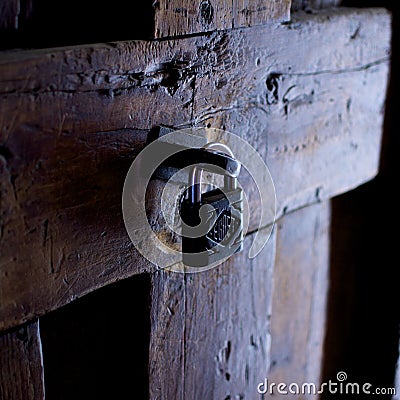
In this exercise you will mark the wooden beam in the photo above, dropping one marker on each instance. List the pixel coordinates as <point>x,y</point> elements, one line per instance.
<point>300,102</point>
<point>212,327</point>
<point>179,17</point>
<point>300,296</point>
<point>21,364</point>
<point>72,120</point>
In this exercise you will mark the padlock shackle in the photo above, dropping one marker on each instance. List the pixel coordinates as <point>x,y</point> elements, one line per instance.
<point>222,147</point>
<point>196,173</point>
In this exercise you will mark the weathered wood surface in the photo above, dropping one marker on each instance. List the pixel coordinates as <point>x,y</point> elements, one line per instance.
<point>21,364</point>
<point>305,110</point>
<point>180,17</point>
<point>72,119</point>
<point>300,296</point>
<point>309,5</point>
<point>210,335</point>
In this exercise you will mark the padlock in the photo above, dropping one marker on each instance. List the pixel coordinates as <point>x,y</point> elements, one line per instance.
<point>221,222</point>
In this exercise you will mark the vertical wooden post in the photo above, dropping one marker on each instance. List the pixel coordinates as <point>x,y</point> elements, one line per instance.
<point>21,364</point>
<point>300,295</point>
<point>210,336</point>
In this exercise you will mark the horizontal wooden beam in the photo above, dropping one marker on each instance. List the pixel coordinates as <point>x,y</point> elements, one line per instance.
<point>308,95</point>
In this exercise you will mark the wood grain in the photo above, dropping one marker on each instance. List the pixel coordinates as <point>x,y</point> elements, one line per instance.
<point>72,120</point>
<point>167,337</point>
<point>256,12</point>
<point>210,333</point>
<point>300,296</point>
<point>21,364</point>
<point>179,17</point>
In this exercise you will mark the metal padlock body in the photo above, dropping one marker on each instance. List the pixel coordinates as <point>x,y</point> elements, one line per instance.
<point>225,236</point>
<point>219,230</point>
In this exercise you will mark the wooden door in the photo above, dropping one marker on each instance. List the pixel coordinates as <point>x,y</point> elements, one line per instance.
<point>83,314</point>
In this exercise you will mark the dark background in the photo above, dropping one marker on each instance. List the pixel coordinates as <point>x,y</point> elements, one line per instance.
<point>364,301</point>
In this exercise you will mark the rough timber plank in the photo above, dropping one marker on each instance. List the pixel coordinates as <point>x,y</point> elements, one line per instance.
<point>211,331</point>
<point>72,119</point>
<point>180,17</point>
<point>21,364</point>
<point>300,295</point>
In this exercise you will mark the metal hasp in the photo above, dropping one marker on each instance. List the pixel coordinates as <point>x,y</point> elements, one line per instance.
<point>182,157</point>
